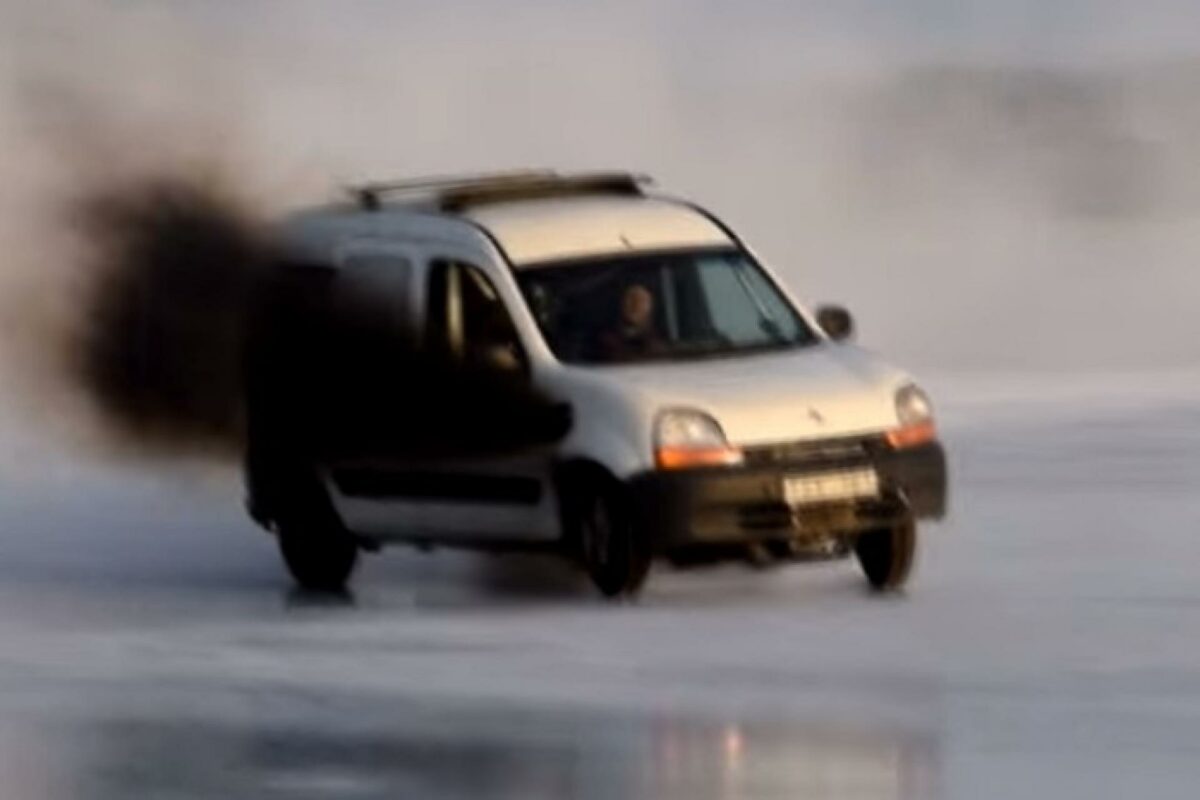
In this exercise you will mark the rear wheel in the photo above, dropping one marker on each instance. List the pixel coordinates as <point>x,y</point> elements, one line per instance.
<point>614,552</point>
<point>886,555</point>
<point>319,552</point>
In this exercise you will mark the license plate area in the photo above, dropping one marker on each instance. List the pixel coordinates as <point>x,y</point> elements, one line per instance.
<point>830,487</point>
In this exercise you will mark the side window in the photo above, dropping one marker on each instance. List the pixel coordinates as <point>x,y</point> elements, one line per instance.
<point>376,289</point>
<point>467,321</point>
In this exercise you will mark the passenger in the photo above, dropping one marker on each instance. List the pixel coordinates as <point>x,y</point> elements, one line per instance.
<point>634,335</point>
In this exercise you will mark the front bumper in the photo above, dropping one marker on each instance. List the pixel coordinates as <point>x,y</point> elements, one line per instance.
<point>722,506</point>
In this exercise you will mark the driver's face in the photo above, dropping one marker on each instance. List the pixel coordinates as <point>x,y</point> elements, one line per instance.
<point>637,307</point>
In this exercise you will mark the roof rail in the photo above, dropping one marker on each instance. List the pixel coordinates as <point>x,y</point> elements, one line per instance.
<point>456,193</point>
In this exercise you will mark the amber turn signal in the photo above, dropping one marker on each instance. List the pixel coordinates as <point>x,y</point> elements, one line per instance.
<point>912,435</point>
<point>691,457</point>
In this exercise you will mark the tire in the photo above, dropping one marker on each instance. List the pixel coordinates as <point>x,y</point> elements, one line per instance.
<point>886,555</point>
<point>319,552</point>
<point>614,553</point>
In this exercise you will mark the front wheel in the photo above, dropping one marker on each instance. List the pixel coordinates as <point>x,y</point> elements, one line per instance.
<point>614,553</point>
<point>886,555</point>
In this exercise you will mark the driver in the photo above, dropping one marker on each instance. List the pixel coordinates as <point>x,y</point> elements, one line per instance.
<point>634,334</point>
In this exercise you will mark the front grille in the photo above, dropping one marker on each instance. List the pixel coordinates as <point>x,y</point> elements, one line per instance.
<point>819,519</point>
<point>765,517</point>
<point>846,448</point>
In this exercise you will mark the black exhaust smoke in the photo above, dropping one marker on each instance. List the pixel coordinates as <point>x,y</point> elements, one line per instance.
<point>177,264</point>
<point>203,335</point>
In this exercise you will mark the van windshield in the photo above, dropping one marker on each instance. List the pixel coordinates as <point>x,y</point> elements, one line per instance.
<point>630,308</point>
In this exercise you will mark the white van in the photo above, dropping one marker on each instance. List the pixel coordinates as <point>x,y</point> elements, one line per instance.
<point>710,415</point>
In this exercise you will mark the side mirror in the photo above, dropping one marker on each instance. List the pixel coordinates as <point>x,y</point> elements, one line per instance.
<point>836,322</point>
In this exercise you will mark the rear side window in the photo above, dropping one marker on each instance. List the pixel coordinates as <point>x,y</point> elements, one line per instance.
<point>376,283</point>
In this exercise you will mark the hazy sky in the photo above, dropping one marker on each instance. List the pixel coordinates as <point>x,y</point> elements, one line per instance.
<point>1020,29</point>
<point>903,157</point>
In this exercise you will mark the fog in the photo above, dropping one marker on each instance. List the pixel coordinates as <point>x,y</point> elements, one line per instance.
<point>989,186</point>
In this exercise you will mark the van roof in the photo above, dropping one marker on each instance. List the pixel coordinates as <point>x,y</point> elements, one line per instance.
<point>539,231</point>
<point>536,217</point>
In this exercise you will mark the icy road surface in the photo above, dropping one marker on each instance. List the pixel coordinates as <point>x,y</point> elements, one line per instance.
<point>1050,646</point>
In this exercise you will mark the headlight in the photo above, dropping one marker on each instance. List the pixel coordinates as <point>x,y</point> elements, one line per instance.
<point>912,405</point>
<point>684,438</point>
<point>914,411</point>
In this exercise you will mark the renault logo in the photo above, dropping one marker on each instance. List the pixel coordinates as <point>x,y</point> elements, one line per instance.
<point>815,416</point>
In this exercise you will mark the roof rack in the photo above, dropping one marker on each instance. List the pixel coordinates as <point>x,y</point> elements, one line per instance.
<point>456,193</point>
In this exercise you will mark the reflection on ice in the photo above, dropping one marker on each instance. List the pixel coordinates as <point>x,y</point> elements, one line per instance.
<point>444,752</point>
<point>732,762</point>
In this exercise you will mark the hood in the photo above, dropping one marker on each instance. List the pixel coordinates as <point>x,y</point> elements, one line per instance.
<point>822,391</point>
